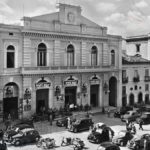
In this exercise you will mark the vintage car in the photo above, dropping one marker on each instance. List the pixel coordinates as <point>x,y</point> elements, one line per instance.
<point>122,138</point>
<point>25,136</point>
<point>81,124</point>
<point>108,146</point>
<point>99,137</point>
<point>137,143</point>
<point>62,122</point>
<point>131,115</point>
<point>14,130</point>
<point>118,113</point>
<point>145,118</point>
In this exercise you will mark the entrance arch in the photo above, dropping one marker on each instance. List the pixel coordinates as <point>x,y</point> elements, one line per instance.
<point>42,95</point>
<point>113,92</point>
<point>131,99</point>
<point>10,100</point>
<point>147,99</point>
<point>140,97</point>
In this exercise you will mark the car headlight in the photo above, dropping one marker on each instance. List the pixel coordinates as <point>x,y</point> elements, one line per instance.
<point>101,148</point>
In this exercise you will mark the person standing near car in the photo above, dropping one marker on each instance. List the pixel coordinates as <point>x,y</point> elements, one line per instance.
<point>50,114</point>
<point>108,112</point>
<point>141,124</point>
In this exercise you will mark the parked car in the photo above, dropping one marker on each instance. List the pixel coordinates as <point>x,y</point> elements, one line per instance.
<point>23,121</point>
<point>25,136</point>
<point>99,137</point>
<point>14,130</point>
<point>137,143</point>
<point>122,137</point>
<point>145,117</point>
<point>62,122</point>
<point>108,146</point>
<point>131,115</point>
<point>122,111</point>
<point>81,124</point>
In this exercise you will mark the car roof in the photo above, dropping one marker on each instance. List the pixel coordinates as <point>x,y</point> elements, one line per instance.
<point>147,113</point>
<point>28,129</point>
<point>84,119</point>
<point>107,144</point>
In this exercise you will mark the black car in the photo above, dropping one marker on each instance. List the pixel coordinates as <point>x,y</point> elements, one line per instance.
<point>14,130</point>
<point>81,124</point>
<point>25,136</point>
<point>145,118</point>
<point>108,146</point>
<point>122,111</point>
<point>99,137</point>
<point>62,122</point>
<point>122,138</point>
<point>137,143</point>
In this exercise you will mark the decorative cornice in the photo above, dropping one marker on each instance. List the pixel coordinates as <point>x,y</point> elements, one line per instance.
<point>60,35</point>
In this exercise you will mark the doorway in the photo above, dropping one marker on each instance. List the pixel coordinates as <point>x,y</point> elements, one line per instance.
<point>10,106</point>
<point>70,95</point>
<point>42,96</point>
<point>94,95</point>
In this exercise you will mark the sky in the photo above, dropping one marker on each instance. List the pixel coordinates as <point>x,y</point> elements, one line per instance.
<point>122,17</point>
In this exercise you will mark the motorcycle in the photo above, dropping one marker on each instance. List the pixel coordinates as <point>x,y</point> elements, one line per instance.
<point>46,143</point>
<point>78,144</point>
<point>67,141</point>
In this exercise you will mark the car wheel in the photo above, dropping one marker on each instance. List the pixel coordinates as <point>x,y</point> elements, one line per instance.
<point>121,143</point>
<point>17,143</point>
<point>97,141</point>
<point>137,147</point>
<point>37,139</point>
<point>75,130</point>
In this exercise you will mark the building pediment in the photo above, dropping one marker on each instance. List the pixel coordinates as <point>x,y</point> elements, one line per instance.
<point>68,19</point>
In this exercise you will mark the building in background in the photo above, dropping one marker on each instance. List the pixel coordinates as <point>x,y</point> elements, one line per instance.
<point>58,59</point>
<point>135,80</point>
<point>138,45</point>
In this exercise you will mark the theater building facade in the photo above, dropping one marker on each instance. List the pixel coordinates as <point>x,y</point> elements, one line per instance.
<point>58,59</point>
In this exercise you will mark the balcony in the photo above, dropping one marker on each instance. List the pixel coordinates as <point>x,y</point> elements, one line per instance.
<point>136,79</point>
<point>125,80</point>
<point>66,69</point>
<point>146,78</point>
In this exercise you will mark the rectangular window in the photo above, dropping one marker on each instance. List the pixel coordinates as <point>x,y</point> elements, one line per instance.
<point>146,87</point>
<point>10,60</point>
<point>138,47</point>
<point>136,73</point>
<point>123,90</point>
<point>124,75</point>
<point>146,72</point>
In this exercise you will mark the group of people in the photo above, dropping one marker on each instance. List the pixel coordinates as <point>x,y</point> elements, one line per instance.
<point>130,127</point>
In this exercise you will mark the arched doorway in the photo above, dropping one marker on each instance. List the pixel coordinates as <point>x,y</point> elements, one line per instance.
<point>42,95</point>
<point>70,84</point>
<point>10,100</point>
<point>131,99</point>
<point>147,99</point>
<point>140,97</point>
<point>113,91</point>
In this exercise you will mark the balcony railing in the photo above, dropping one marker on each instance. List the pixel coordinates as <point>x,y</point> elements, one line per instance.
<point>136,79</point>
<point>125,80</point>
<point>147,78</point>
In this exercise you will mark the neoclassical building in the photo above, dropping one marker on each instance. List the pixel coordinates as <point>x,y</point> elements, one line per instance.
<point>58,59</point>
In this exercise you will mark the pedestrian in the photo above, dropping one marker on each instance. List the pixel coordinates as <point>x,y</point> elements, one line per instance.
<point>50,114</point>
<point>68,122</point>
<point>127,124</point>
<point>108,112</point>
<point>133,128</point>
<point>141,124</point>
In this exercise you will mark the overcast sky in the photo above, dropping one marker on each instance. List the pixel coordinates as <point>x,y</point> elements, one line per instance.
<point>122,17</point>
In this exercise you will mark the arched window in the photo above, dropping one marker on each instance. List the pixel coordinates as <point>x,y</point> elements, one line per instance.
<point>41,55</point>
<point>94,56</point>
<point>113,57</point>
<point>70,55</point>
<point>10,56</point>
